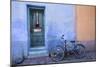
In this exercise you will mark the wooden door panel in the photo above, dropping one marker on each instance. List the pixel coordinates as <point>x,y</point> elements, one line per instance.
<point>37,37</point>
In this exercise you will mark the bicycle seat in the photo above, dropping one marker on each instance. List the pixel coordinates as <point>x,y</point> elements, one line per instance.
<point>73,41</point>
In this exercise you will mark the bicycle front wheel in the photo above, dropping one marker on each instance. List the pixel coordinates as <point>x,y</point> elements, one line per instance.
<point>57,54</point>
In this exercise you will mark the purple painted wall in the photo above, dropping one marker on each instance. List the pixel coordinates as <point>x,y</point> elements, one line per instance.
<point>59,19</point>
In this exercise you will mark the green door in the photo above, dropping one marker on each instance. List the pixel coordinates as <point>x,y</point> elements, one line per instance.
<point>36,27</point>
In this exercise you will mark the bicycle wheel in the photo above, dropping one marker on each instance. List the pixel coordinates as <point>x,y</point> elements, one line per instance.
<point>19,60</point>
<point>80,53</point>
<point>57,54</point>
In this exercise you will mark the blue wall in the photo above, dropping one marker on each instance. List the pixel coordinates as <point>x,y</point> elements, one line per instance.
<point>59,19</point>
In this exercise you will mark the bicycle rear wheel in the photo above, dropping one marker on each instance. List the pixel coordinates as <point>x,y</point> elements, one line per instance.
<point>80,53</point>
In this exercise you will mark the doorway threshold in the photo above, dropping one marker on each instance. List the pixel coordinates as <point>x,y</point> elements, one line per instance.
<point>37,52</point>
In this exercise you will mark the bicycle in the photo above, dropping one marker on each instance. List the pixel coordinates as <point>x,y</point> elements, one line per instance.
<point>69,48</point>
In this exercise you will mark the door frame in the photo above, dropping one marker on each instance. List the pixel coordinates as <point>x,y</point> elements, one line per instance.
<point>28,24</point>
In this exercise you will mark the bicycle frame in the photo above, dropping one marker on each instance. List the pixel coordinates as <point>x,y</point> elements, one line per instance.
<point>69,47</point>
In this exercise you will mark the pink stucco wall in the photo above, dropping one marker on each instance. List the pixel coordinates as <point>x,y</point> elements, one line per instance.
<point>85,27</point>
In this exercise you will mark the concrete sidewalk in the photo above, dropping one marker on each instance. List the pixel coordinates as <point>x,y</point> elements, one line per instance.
<point>90,56</point>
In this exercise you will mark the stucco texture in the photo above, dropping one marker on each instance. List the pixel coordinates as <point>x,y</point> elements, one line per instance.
<point>59,19</point>
<point>74,22</point>
<point>86,25</point>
